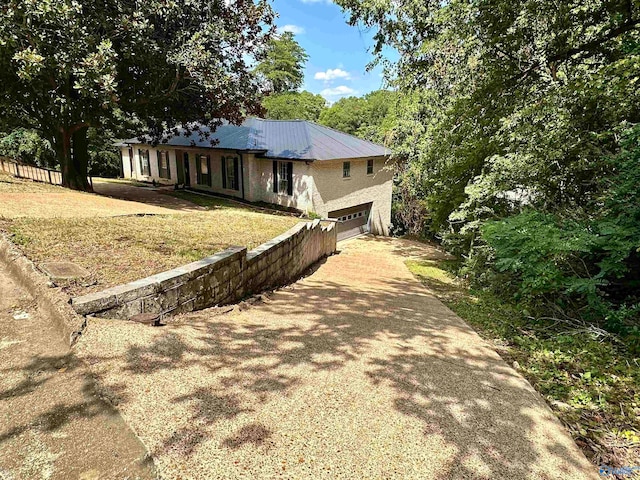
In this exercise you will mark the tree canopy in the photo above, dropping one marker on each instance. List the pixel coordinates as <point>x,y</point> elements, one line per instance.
<point>371,117</point>
<point>511,112</point>
<point>294,106</point>
<point>122,64</point>
<point>282,68</point>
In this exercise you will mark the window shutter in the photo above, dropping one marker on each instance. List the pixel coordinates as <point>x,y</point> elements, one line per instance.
<point>140,161</point>
<point>168,165</point>
<point>209,170</point>
<point>275,176</point>
<point>224,172</point>
<point>198,170</point>
<point>290,178</point>
<point>235,174</point>
<point>159,163</point>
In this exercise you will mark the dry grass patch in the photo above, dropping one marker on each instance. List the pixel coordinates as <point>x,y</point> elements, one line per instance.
<point>11,184</point>
<point>122,249</point>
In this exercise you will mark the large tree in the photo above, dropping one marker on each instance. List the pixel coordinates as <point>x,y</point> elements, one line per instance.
<point>294,106</point>
<point>526,92</point>
<point>282,69</point>
<point>517,125</point>
<point>69,65</point>
<point>371,117</point>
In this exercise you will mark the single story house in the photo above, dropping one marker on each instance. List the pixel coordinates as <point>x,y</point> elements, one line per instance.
<point>292,163</point>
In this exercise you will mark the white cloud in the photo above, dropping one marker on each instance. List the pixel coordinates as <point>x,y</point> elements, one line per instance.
<point>332,74</point>
<point>316,1</point>
<point>295,29</point>
<point>339,91</point>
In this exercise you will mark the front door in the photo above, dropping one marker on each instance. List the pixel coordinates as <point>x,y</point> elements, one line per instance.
<point>187,174</point>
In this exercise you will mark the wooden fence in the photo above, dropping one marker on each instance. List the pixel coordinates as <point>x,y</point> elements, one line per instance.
<point>37,174</point>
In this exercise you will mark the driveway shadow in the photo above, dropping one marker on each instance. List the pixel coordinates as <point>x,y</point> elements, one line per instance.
<point>362,353</point>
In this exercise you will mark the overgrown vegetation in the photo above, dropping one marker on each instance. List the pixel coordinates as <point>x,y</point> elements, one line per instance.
<point>371,116</point>
<point>591,383</point>
<point>517,134</point>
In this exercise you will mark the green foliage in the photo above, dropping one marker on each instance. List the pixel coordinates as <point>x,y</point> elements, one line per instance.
<point>371,117</point>
<point>294,106</point>
<point>28,147</point>
<point>282,69</point>
<point>580,260</point>
<point>104,156</point>
<point>516,122</point>
<point>126,65</point>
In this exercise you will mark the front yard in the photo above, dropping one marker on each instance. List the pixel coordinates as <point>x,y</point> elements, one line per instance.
<point>128,246</point>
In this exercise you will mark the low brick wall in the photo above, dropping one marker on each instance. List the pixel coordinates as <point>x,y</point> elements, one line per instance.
<point>223,278</point>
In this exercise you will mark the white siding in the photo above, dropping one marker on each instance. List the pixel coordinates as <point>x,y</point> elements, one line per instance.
<point>261,181</point>
<point>333,192</point>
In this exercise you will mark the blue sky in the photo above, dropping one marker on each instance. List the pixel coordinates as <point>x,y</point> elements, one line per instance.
<point>338,53</point>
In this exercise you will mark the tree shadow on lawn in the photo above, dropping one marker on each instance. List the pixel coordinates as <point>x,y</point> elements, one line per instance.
<point>438,371</point>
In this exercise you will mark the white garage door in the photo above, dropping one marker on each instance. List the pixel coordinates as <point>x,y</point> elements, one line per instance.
<point>352,221</point>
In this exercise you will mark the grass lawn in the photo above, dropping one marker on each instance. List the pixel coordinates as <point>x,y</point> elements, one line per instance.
<point>120,249</point>
<point>592,385</point>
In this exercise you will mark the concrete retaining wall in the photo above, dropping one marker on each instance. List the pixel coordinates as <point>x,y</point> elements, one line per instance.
<point>223,278</point>
<point>52,302</point>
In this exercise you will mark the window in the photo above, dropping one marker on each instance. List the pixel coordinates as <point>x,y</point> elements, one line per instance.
<point>346,169</point>
<point>163,165</point>
<point>145,167</point>
<point>369,167</point>
<point>283,181</point>
<point>283,177</point>
<point>230,174</point>
<point>203,170</point>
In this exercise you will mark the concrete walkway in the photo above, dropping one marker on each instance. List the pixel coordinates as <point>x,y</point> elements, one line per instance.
<point>54,424</point>
<point>355,372</point>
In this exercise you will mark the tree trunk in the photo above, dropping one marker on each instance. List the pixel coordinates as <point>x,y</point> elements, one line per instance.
<point>73,155</point>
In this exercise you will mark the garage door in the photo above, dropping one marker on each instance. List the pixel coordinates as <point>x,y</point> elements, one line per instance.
<point>352,221</point>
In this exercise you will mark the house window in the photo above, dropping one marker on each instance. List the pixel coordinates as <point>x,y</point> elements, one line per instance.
<point>145,167</point>
<point>346,169</point>
<point>283,181</point>
<point>163,165</point>
<point>203,170</point>
<point>230,174</point>
<point>369,167</point>
<point>283,177</point>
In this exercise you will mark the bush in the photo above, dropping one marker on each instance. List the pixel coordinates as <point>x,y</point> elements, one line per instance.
<point>586,266</point>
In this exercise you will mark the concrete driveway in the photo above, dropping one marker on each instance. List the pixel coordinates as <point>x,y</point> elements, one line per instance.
<point>357,371</point>
<point>54,425</point>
